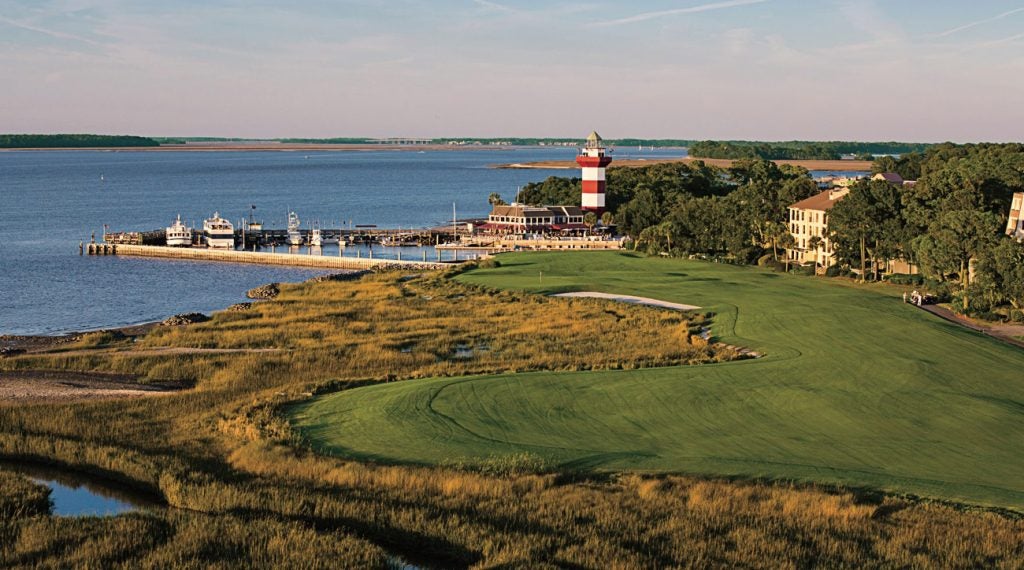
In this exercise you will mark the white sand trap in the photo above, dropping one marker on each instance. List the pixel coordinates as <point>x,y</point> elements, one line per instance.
<point>630,299</point>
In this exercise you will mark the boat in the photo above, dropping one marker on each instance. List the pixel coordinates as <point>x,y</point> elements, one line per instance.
<point>331,239</point>
<point>219,232</point>
<point>178,234</point>
<point>294,234</point>
<point>252,224</point>
<point>315,239</point>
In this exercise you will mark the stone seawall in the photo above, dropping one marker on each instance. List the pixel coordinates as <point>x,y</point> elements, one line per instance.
<point>262,258</point>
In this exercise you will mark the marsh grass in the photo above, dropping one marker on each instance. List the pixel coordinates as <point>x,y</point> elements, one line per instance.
<point>247,493</point>
<point>20,497</point>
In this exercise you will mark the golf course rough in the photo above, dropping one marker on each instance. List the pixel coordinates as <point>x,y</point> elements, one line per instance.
<point>857,388</point>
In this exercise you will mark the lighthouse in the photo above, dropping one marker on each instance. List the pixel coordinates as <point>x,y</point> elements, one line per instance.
<point>592,161</point>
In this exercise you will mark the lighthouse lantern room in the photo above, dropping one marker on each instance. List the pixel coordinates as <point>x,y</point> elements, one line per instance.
<point>592,161</point>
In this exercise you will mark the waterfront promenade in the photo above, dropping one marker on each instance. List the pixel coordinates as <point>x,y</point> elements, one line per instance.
<point>263,258</point>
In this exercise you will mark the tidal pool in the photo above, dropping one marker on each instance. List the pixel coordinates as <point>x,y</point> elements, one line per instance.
<point>76,494</point>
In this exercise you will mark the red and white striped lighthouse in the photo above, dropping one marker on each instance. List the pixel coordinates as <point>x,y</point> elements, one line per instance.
<point>593,161</point>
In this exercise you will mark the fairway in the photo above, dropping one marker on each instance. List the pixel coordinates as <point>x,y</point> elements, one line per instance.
<point>856,388</point>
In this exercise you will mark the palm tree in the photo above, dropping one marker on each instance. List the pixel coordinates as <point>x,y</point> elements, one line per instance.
<point>788,242</point>
<point>590,220</point>
<point>814,243</point>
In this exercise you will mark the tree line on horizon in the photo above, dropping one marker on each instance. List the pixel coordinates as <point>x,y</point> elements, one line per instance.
<point>801,150</point>
<point>73,141</point>
<point>949,224</point>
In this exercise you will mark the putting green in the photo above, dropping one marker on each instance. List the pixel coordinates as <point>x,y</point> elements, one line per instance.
<point>856,388</point>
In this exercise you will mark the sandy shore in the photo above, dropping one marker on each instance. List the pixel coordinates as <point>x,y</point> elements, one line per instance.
<point>833,165</point>
<point>18,344</point>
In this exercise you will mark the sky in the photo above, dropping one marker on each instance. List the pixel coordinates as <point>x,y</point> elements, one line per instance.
<point>910,70</point>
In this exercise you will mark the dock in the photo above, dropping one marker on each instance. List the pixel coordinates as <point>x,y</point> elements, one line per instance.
<point>261,258</point>
<point>499,244</point>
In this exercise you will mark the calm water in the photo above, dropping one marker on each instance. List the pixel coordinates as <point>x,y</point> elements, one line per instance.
<point>49,201</point>
<point>79,495</point>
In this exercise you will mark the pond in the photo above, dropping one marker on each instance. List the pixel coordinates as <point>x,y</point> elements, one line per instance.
<point>76,494</point>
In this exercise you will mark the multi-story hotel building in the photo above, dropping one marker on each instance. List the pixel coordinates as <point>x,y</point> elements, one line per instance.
<point>809,219</point>
<point>1015,223</point>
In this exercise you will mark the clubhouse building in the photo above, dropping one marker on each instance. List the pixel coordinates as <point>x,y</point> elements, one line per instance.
<point>522,219</point>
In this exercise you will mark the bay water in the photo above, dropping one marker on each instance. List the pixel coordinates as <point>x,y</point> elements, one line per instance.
<point>52,200</point>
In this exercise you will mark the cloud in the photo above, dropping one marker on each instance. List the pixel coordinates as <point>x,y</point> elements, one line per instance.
<point>970,25</point>
<point>1001,41</point>
<point>52,33</point>
<point>676,11</point>
<point>496,6</point>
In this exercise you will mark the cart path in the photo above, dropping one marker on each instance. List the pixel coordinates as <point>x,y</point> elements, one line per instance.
<point>1005,333</point>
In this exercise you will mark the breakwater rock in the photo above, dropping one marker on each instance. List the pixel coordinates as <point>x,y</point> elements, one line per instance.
<point>268,291</point>
<point>184,319</point>
<point>346,276</point>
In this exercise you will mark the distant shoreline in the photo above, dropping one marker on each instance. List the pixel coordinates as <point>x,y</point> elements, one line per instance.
<point>268,147</point>
<point>834,165</point>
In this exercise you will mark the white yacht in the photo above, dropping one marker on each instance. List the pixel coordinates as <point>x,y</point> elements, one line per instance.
<point>294,234</point>
<point>219,232</point>
<point>178,234</point>
<point>315,239</point>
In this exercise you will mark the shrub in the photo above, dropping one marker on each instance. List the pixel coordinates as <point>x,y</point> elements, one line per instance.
<point>835,271</point>
<point>805,269</point>
<point>904,279</point>
<point>100,339</point>
<point>515,464</point>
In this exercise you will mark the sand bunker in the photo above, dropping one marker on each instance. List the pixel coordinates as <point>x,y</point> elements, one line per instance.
<point>630,299</point>
<point>33,386</point>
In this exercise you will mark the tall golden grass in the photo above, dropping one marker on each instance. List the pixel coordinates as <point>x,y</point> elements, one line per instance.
<point>222,454</point>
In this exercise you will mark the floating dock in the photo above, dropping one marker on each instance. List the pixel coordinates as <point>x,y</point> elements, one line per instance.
<point>261,258</point>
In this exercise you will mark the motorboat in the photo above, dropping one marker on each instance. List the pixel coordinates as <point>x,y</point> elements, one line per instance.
<point>178,234</point>
<point>218,232</point>
<point>294,233</point>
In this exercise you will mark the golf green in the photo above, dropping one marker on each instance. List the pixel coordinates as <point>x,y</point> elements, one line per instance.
<point>856,388</point>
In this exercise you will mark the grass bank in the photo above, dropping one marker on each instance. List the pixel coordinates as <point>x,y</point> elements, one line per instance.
<point>245,493</point>
<point>856,388</point>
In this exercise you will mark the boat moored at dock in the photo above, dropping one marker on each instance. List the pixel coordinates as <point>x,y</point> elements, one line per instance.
<point>294,233</point>
<point>178,234</point>
<point>218,232</point>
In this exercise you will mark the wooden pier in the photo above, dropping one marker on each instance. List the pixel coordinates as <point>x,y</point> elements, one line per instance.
<point>262,258</point>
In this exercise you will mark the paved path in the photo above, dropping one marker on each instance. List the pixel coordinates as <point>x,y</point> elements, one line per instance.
<point>1004,333</point>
